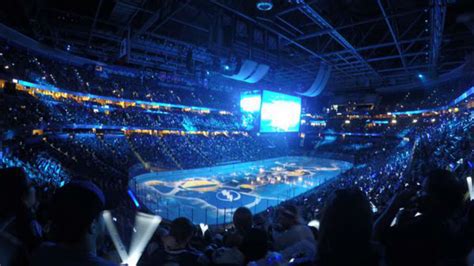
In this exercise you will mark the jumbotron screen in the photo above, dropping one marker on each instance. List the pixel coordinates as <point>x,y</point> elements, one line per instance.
<point>280,112</point>
<point>250,101</point>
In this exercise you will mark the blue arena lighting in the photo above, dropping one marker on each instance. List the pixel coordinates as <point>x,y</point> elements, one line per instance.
<point>464,96</point>
<point>460,98</point>
<point>264,5</point>
<point>357,134</point>
<point>32,86</point>
<point>414,112</point>
<point>420,76</point>
<point>134,199</point>
<point>226,67</point>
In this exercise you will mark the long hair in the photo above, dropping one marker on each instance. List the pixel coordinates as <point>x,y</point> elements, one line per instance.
<point>346,229</point>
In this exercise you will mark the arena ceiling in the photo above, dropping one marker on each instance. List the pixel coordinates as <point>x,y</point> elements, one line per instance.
<point>369,44</point>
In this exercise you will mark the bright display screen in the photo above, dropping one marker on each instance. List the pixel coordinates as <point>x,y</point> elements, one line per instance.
<point>250,108</point>
<point>250,101</point>
<point>280,112</point>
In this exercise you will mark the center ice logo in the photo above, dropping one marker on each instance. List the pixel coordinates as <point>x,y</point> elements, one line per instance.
<point>228,195</point>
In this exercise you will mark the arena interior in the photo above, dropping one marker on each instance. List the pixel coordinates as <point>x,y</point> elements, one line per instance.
<point>237,132</point>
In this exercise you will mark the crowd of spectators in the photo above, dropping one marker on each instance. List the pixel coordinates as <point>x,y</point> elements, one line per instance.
<point>404,202</point>
<point>382,168</point>
<point>44,112</point>
<point>21,63</point>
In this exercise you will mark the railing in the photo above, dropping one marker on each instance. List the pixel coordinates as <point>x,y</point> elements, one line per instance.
<point>207,207</point>
<point>169,208</point>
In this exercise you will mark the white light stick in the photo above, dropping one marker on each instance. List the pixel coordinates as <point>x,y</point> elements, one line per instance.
<point>314,223</point>
<point>394,222</point>
<point>374,208</point>
<point>115,236</point>
<point>145,225</point>
<point>469,185</point>
<point>204,228</point>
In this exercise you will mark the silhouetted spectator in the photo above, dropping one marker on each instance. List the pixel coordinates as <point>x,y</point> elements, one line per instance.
<point>242,221</point>
<point>78,227</point>
<point>256,249</point>
<point>176,249</point>
<point>230,253</point>
<point>19,231</point>
<point>346,230</point>
<point>426,232</point>
<point>293,237</point>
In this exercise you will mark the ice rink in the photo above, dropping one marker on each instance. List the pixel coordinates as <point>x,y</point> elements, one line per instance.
<point>211,195</point>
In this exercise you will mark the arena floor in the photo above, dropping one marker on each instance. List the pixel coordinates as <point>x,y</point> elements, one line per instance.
<point>211,195</point>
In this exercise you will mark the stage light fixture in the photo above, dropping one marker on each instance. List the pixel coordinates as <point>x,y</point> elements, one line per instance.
<point>264,5</point>
<point>420,76</point>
